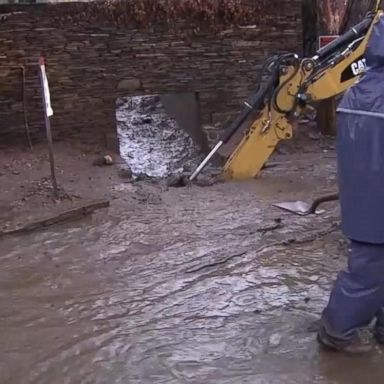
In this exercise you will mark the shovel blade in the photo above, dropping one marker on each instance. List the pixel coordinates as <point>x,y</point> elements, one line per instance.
<point>300,208</point>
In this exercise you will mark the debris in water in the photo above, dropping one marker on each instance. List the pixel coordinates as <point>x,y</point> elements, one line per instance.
<point>275,340</point>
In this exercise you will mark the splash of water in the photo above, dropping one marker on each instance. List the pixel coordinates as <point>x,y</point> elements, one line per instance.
<point>151,142</point>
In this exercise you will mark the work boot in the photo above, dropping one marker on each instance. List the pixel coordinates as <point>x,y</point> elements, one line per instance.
<point>360,343</point>
<point>378,331</point>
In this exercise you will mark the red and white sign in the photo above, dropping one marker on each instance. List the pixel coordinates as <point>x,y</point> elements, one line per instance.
<point>325,40</point>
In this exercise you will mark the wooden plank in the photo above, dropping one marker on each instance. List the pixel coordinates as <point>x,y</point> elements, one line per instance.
<point>67,215</point>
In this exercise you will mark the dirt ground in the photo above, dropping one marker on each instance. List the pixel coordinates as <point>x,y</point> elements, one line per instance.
<point>170,285</point>
<point>27,192</point>
<point>25,177</point>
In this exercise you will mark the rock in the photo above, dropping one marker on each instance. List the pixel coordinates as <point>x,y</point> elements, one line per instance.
<point>147,120</point>
<point>108,160</point>
<point>125,173</point>
<point>205,181</point>
<point>275,340</point>
<point>104,160</point>
<point>14,172</point>
<point>177,181</point>
<point>143,177</point>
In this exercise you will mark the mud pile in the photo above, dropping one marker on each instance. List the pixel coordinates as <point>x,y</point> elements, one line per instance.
<point>151,142</point>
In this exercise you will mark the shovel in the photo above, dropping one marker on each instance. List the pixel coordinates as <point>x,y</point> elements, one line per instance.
<point>302,208</point>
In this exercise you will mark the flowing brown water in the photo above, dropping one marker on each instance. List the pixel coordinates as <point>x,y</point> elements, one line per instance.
<point>193,286</point>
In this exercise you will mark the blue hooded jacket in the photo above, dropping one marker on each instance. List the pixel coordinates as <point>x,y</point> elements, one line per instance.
<point>360,147</point>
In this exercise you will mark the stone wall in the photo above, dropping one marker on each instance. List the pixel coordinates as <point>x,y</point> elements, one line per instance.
<point>88,67</point>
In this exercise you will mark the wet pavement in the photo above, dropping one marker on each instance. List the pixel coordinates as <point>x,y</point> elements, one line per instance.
<point>193,285</point>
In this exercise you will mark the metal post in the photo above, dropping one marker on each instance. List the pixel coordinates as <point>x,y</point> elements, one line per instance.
<point>46,106</point>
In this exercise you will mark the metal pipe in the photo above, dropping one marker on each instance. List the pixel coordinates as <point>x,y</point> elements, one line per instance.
<point>205,162</point>
<point>48,129</point>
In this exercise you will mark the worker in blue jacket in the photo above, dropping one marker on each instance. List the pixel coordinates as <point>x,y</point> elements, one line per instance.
<point>357,299</point>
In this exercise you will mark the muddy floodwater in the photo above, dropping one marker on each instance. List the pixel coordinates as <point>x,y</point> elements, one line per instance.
<point>193,285</point>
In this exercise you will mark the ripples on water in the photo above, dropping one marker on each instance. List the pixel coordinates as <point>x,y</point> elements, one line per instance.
<point>115,300</point>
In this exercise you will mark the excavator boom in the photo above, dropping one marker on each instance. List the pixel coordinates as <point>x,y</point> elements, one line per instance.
<point>293,86</point>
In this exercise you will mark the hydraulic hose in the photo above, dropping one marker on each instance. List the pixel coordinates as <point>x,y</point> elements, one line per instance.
<point>353,34</point>
<point>281,86</point>
<point>253,104</point>
<point>257,101</point>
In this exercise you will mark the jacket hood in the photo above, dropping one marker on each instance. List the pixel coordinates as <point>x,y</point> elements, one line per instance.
<point>374,54</point>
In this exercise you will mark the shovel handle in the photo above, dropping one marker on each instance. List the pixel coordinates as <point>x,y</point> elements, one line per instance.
<point>323,199</point>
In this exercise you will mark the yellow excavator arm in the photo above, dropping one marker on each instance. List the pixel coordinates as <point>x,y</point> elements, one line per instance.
<point>293,86</point>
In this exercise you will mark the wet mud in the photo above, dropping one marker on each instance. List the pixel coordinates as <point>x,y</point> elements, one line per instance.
<point>192,285</point>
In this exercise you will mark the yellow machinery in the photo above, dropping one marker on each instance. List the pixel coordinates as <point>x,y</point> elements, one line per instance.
<point>293,85</point>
